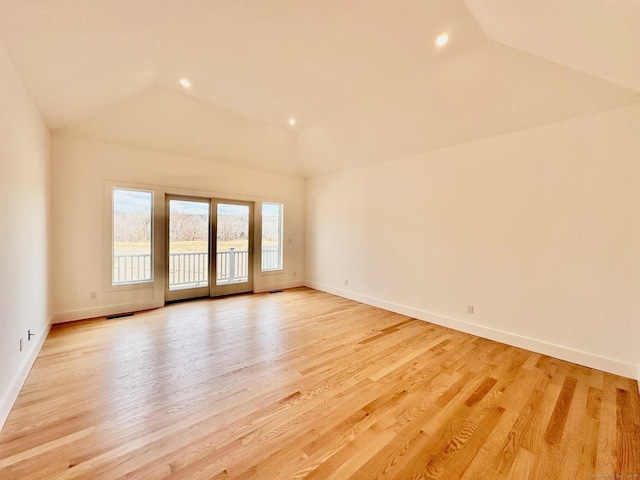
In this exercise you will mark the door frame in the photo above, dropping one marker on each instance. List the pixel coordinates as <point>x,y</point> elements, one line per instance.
<point>184,293</point>
<point>232,288</point>
<point>212,289</point>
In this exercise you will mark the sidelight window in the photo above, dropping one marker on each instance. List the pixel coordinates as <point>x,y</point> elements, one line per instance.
<point>132,226</point>
<point>272,233</point>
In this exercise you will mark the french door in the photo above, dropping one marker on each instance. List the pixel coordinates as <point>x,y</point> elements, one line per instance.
<point>232,251</point>
<point>209,247</point>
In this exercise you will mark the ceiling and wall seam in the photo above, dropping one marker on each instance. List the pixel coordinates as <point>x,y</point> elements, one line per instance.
<point>365,83</point>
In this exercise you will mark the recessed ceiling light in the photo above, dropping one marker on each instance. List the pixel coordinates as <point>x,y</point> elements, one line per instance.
<point>442,39</point>
<point>292,121</point>
<point>185,83</point>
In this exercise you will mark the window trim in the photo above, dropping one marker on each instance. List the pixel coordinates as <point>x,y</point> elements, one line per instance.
<point>109,286</point>
<point>281,269</point>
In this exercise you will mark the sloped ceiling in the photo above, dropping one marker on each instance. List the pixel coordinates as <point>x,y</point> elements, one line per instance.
<point>364,79</point>
<point>169,121</point>
<point>601,38</point>
<point>495,90</point>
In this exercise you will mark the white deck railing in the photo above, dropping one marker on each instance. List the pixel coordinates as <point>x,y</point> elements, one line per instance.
<point>191,269</point>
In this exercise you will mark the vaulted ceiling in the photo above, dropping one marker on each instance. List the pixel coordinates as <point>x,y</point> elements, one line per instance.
<point>364,79</point>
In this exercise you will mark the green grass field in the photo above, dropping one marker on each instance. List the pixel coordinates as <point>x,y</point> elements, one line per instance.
<point>128,248</point>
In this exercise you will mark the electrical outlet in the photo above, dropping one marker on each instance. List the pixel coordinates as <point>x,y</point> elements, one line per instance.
<point>346,283</point>
<point>470,309</point>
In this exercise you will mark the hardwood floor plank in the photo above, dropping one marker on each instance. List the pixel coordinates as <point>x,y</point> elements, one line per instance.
<point>408,429</point>
<point>628,453</point>
<point>512,443</point>
<point>588,456</point>
<point>522,466</point>
<point>304,384</point>
<point>479,393</point>
<point>606,462</point>
<point>555,428</point>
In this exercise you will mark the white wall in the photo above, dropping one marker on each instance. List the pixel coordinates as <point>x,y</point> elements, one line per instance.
<point>539,230</point>
<point>24,195</point>
<point>81,170</point>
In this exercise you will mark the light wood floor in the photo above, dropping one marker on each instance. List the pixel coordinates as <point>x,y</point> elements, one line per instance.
<point>302,384</point>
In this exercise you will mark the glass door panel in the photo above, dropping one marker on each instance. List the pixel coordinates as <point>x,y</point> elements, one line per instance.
<point>188,259</point>
<point>233,247</point>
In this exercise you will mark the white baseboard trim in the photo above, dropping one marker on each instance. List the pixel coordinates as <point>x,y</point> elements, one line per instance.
<point>278,286</point>
<point>102,311</point>
<point>11,395</point>
<point>558,351</point>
